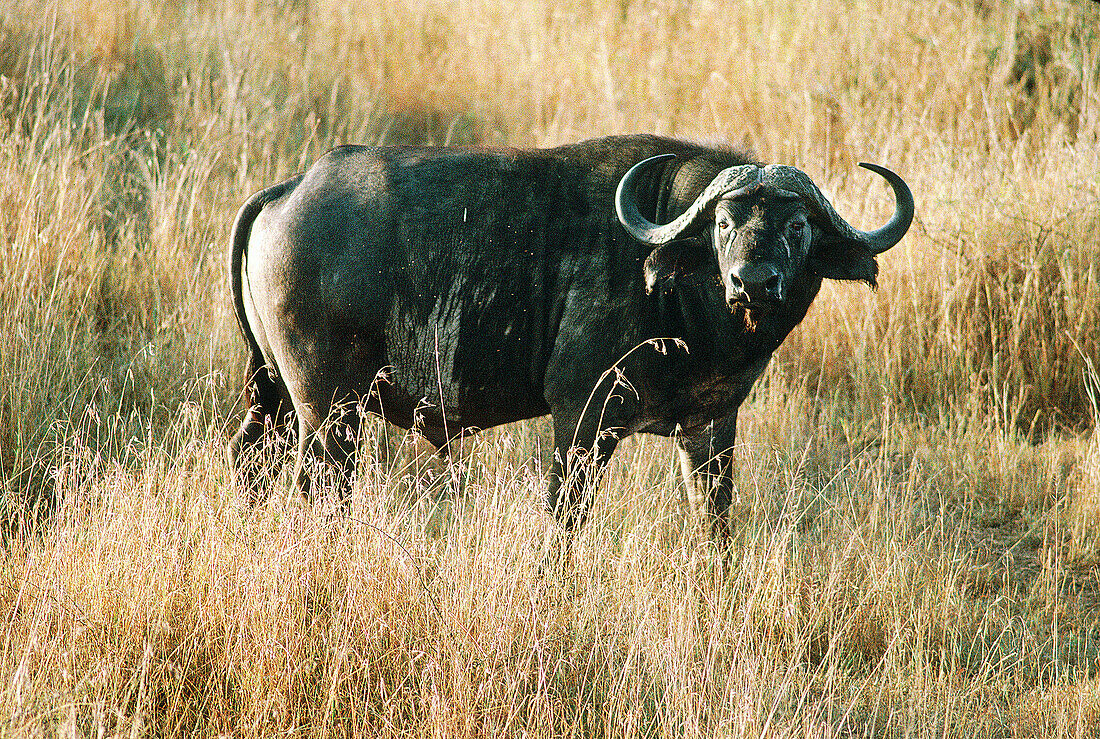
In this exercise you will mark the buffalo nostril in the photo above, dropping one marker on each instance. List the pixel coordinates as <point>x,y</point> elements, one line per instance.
<point>735,291</point>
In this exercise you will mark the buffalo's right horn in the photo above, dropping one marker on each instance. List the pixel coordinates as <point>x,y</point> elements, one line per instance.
<point>730,183</point>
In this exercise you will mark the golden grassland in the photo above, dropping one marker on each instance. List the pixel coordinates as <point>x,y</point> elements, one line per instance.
<point>917,528</point>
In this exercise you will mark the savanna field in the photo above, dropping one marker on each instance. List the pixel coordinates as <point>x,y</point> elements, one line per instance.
<point>916,547</point>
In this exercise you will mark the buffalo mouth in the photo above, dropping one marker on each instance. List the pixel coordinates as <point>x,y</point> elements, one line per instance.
<point>756,307</point>
<point>751,312</point>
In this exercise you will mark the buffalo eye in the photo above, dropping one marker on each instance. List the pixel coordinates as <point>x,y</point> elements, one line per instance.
<point>796,230</point>
<point>723,224</point>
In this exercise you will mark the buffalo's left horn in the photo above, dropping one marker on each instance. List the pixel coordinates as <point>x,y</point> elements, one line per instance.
<point>798,183</point>
<point>730,183</point>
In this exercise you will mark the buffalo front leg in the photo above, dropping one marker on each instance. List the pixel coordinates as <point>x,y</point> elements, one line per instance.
<point>706,462</point>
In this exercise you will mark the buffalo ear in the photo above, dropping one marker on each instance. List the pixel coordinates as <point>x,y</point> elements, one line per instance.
<point>672,261</point>
<point>841,259</point>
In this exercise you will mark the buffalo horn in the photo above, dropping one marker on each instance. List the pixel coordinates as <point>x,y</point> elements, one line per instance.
<point>742,180</point>
<point>796,182</point>
<point>730,183</point>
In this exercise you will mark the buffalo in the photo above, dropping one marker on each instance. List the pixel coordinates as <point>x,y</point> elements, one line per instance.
<point>624,284</point>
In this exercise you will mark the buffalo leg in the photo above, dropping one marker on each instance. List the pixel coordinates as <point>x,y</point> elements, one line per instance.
<point>706,460</point>
<point>263,434</point>
<point>327,451</point>
<point>580,455</point>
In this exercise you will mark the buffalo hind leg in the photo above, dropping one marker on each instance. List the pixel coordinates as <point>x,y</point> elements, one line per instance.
<point>254,451</point>
<point>327,452</point>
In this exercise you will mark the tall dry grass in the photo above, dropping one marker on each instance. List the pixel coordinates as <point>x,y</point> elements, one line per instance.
<point>916,544</point>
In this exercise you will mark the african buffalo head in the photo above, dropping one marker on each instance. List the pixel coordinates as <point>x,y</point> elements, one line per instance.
<point>765,225</point>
